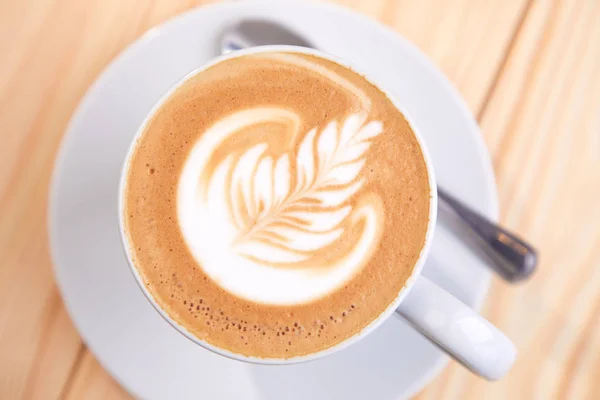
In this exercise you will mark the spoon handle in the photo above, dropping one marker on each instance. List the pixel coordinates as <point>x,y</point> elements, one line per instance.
<point>514,259</point>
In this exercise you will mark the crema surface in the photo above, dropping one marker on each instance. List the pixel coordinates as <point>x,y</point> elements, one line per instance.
<point>275,204</point>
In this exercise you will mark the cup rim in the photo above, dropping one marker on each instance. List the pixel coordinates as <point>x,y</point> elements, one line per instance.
<point>371,326</point>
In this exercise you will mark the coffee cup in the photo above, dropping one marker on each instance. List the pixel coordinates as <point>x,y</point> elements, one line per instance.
<point>447,322</point>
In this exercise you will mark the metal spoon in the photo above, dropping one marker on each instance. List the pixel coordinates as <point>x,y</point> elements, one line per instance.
<point>514,259</point>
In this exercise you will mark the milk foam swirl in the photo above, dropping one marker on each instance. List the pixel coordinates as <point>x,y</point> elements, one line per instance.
<point>261,221</point>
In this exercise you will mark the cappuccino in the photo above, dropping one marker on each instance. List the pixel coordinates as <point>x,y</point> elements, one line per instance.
<point>275,204</point>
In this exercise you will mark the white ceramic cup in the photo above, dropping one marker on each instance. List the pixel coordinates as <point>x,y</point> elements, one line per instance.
<point>443,319</point>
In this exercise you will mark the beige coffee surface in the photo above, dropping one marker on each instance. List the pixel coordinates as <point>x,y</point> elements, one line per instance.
<point>384,173</point>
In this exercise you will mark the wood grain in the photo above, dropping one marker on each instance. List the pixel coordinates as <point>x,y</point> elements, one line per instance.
<point>529,70</point>
<point>93,383</point>
<point>542,126</point>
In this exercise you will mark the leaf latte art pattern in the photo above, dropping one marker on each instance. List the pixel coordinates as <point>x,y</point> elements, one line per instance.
<point>267,222</point>
<point>281,222</point>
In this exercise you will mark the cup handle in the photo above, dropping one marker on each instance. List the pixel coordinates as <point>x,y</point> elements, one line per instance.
<point>458,330</point>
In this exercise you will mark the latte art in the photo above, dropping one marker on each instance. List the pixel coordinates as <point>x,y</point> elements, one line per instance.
<point>275,204</point>
<point>259,221</point>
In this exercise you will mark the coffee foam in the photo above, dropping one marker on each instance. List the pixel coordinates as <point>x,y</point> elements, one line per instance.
<point>252,225</point>
<point>226,150</point>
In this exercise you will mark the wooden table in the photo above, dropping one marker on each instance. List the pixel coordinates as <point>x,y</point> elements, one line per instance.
<point>529,71</point>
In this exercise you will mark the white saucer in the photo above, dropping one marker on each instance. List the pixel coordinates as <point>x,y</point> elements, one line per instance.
<point>129,338</point>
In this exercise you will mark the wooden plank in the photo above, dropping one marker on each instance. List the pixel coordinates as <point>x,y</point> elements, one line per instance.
<point>93,383</point>
<point>542,124</point>
<point>56,356</point>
